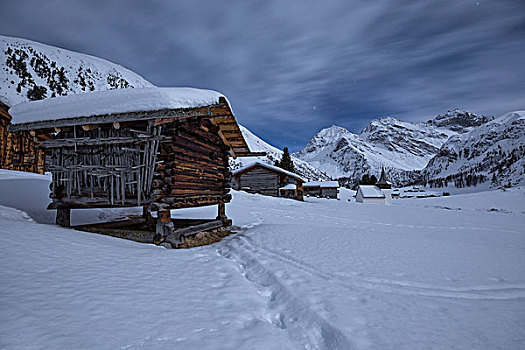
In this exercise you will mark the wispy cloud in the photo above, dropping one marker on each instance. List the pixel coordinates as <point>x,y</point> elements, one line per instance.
<point>292,67</point>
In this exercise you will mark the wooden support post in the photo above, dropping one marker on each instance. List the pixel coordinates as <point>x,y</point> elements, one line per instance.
<point>63,217</point>
<point>222,212</point>
<point>164,227</point>
<point>146,214</point>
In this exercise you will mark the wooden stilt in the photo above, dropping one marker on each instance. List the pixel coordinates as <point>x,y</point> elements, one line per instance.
<point>63,217</point>
<point>146,214</point>
<point>222,212</point>
<point>164,227</point>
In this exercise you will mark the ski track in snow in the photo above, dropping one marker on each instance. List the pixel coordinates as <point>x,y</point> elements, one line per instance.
<point>480,292</point>
<point>303,325</point>
<point>324,217</point>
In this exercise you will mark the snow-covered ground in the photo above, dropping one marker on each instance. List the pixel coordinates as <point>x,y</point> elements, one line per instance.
<point>439,273</point>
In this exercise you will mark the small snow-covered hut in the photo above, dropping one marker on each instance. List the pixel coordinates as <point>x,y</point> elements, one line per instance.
<point>17,148</point>
<point>370,194</point>
<point>288,191</point>
<point>325,189</point>
<point>160,148</point>
<point>268,180</point>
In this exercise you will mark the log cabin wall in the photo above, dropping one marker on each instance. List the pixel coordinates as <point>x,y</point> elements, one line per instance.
<point>192,166</point>
<point>260,180</point>
<point>178,163</point>
<point>18,149</point>
<point>329,192</point>
<point>312,191</point>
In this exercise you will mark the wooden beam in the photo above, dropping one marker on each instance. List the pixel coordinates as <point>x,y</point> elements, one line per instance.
<point>251,154</point>
<point>87,127</point>
<point>177,236</point>
<point>63,217</point>
<point>164,226</point>
<point>221,214</point>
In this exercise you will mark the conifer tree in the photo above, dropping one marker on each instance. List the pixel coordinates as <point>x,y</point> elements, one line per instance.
<point>286,162</point>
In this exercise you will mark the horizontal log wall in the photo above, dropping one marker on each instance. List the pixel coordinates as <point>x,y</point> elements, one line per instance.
<point>312,191</point>
<point>329,192</point>
<point>260,180</point>
<point>192,166</point>
<point>18,150</point>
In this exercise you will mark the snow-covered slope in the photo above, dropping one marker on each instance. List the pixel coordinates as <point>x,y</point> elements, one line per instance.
<point>399,146</point>
<point>34,71</point>
<point>494,151</point>
<point>256,144</point>
<point>440,273</point>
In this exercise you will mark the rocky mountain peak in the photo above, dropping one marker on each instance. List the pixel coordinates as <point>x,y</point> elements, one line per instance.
<point>459,120</point>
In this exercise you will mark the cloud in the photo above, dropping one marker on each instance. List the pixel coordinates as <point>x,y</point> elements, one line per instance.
<point>276,60</point>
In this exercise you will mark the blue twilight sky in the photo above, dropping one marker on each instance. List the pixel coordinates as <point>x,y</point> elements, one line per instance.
<point>290,68</point>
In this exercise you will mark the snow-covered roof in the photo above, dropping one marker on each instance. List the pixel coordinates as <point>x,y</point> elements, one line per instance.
<point>112,102</point>
<point>322,184</point>
<point>268,166</point>
<point>289,187</point>
<point>371,191</point>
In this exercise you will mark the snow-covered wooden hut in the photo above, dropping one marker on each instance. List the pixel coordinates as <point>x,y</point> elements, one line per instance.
<point>268,180</point>
<point>370,194</point>
<point>160,148</point>
<point>17,148</point>
<point>324,189</point>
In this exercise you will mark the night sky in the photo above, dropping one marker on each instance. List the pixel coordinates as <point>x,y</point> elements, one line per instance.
<point>290,68</point>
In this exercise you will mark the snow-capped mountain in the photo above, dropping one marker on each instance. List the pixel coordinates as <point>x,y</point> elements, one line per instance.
<point>401,147</point>
<point>459,121</point>
<point>256,144</point>
<point>34,71</point>
<point>493,152</point>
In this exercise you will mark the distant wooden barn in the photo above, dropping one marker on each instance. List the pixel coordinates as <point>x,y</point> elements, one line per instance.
<point>324,189</point>
<point>17,148</point>
<point>160,148</point>
<point>268,180</point>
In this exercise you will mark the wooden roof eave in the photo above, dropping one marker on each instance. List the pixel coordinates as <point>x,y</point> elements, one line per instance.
<point>229,131</point>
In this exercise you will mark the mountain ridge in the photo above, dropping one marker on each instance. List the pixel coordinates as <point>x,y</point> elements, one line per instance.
<point>32,71</point>
<point>402,147</point>
<point>493,152</point>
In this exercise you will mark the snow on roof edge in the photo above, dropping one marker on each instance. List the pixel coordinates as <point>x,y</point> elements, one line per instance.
<point>272,167</point>
<point>323,184</point>
<point>370,191</point>
<point>112,102</point>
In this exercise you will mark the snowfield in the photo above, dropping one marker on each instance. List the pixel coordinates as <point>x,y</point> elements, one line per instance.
<point>440,273</point>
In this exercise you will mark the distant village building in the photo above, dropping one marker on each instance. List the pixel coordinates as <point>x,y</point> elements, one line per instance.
<point>370,194</point>
<point>380,193</point>
<point>324,189</point>
<point>385,186</point>
<point>268,180</point>
<point>383,183</point>
<point>18,148</point>
<point>160,148</point>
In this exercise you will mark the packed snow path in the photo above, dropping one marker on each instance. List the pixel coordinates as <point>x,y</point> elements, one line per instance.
<point>322,274</point>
